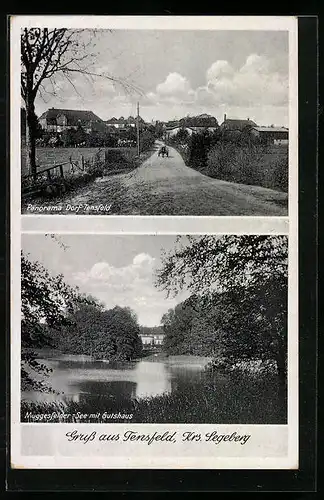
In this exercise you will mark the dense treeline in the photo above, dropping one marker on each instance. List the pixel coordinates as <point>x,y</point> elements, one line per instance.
<point>104,334</point>
<point>237,312</point>
<point>192,328</point>
<point>101,136</point>
<point>96,138</point>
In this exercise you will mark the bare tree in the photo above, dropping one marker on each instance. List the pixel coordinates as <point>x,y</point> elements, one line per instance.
<point>45,53</point>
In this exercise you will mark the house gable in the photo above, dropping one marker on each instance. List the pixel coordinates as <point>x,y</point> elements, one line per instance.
<point>237,125</point>
<point>65,118</point>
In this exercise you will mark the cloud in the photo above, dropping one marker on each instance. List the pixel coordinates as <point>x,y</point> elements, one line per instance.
<point>219,69</point>
<point>257,88</point>
<point>175,89</point>
<point>257,64</point>
<point>254,84</point>
<point>174,84</point>
<point>140,269</point>
<point>130,285</point>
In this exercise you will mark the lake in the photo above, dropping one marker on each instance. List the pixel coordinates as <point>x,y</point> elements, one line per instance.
<point>82,379</point>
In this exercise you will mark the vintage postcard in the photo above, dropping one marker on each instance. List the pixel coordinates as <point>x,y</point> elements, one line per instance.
<point>154,242</point>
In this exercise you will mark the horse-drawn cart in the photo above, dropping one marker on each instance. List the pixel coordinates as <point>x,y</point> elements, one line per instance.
<point>163,151</point>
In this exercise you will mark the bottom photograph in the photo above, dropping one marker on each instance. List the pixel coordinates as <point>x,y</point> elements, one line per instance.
<point>154,328</point>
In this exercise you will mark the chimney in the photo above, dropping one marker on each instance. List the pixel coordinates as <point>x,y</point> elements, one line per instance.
<point>224,117</point>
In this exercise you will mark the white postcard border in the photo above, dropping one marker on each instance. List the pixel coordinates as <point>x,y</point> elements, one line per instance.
<point>215,225</point>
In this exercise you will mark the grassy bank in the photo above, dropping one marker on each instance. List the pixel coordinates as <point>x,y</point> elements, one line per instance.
<point>256,165</point>
<point>237,399</point>
<point>47,156</point>
<point>108,162</point>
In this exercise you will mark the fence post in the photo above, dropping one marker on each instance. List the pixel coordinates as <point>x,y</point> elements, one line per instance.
<point>49,175</point>
<point>71,164</point>
<point>82,162</point>
<point>61,171</point>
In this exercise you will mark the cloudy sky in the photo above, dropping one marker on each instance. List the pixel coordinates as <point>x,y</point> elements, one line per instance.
<point>118,270</point>
<point>241,73</point>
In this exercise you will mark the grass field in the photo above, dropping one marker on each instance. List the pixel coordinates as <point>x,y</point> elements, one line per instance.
<point>46,157</point>
<point>98,183</point>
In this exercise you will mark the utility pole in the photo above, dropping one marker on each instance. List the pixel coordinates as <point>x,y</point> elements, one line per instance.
<point>138,131</point>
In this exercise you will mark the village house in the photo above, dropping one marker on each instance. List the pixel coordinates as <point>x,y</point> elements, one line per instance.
<point>200,123</point>
<point>266,135</point>
<point>192,124</point>
<point>172,131</point>
<point>122,123</point>
<point>271,135</point>
<point>234,125</point>
<point>58,120</point>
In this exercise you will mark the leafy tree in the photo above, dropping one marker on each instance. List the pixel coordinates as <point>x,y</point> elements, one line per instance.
<point>198,150</point>
<point>182,136</point>
<point>104,334</point>
<point>192,328</point>
<point>46,306</point>
<point>147,140</point>
<point>45,53</point>
<point>121,325</point>
<point>80,135</point>
<point>130,134</point>
<point>177,324</point>
<point>159,130</point>
<point>244,277</point>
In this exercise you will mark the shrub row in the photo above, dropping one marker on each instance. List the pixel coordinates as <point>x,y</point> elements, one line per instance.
<point>240,160</point>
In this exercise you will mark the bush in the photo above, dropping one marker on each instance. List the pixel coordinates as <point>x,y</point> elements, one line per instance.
<point>279,173</point>
<point>114,156</point>
<point>249,163</point>
<point>147,140</point>
<point>198,151</point>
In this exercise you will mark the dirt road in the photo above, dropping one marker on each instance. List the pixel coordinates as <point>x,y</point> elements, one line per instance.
<point>166,186</point>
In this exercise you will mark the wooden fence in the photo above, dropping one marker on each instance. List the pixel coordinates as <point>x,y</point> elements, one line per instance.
<point>73,167</point>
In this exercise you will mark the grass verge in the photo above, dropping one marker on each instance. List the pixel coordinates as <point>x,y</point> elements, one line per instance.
<point>238,399</point>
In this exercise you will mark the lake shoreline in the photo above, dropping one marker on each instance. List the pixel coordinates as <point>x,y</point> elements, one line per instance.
<point>153,389</point>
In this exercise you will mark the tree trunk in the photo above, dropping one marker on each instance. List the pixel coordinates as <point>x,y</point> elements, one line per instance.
<point>30,137</point>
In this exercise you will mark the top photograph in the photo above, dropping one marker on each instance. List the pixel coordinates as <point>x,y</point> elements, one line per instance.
<point>154,122</point>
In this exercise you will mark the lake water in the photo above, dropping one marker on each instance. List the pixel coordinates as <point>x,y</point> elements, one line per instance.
<point>80,378</point>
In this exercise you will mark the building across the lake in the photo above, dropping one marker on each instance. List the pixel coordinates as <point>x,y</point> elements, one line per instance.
<point>58,120</point>
<point>152,340</point>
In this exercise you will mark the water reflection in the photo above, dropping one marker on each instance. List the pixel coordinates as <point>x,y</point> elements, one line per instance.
<point>80,378</point>
<point>153,379</point>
